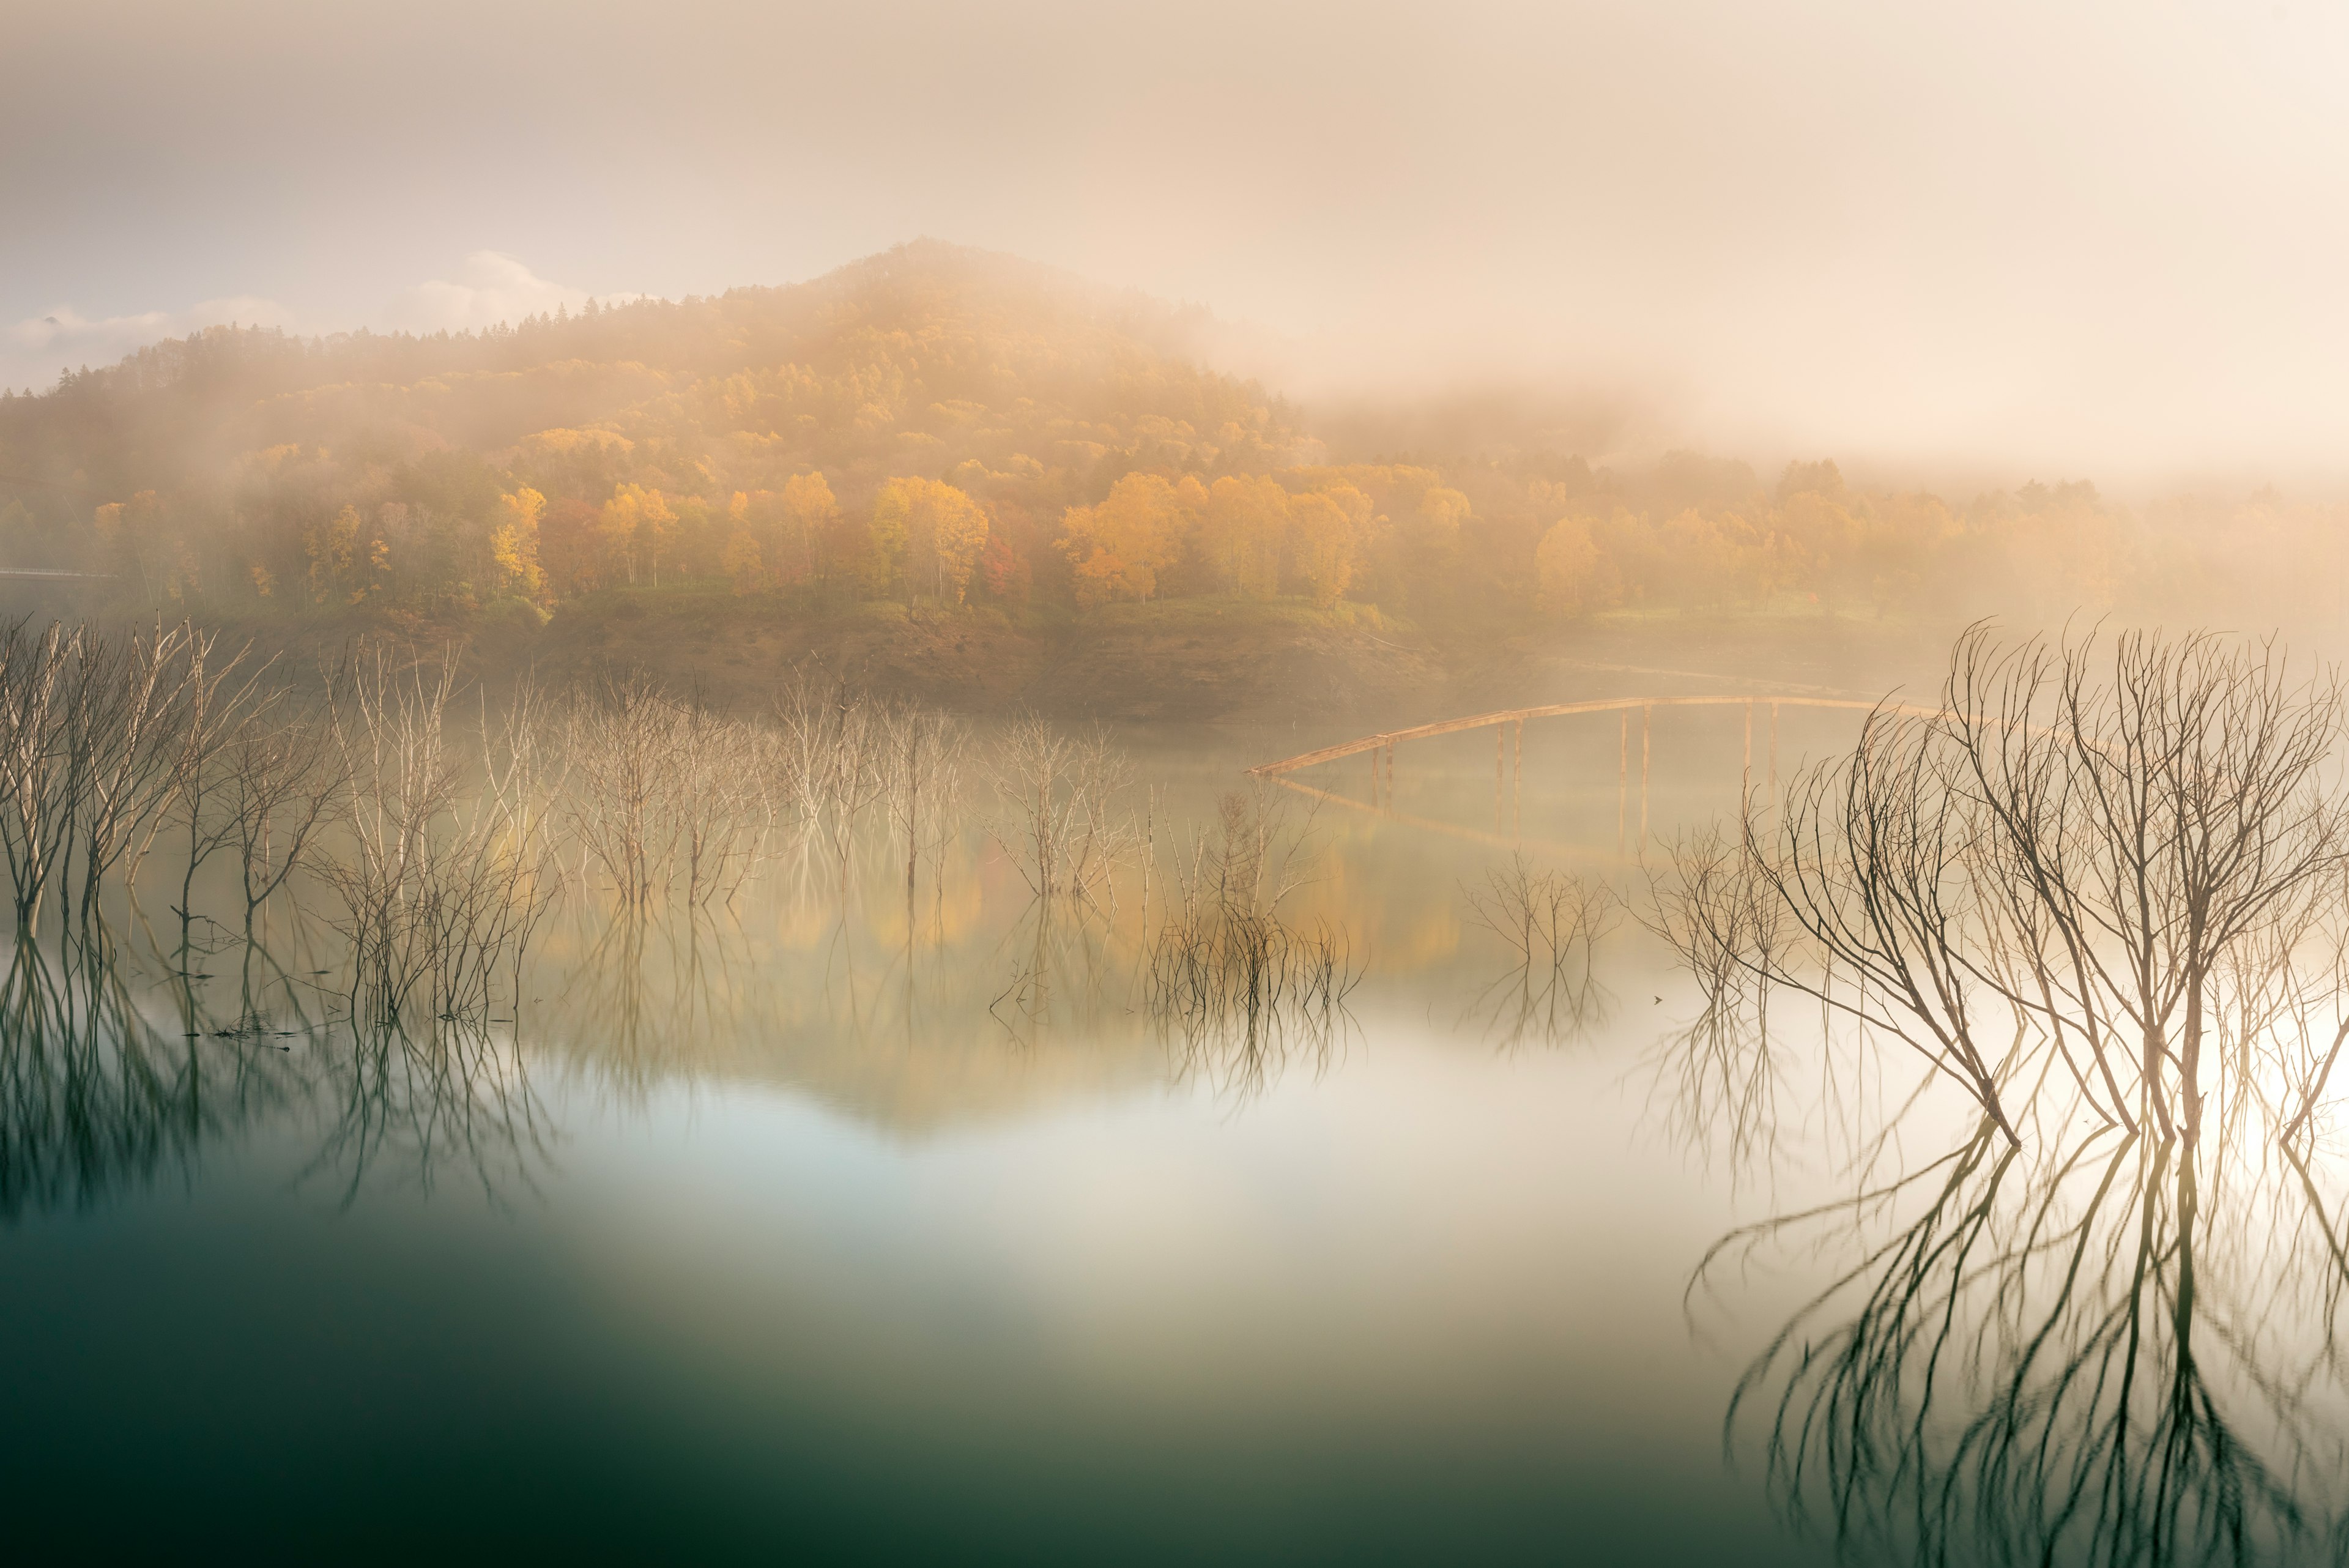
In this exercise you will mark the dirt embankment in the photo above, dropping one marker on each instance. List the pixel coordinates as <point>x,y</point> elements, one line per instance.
<point>1186,661</point>
<point>1196,663</point>
<point>737,653</point>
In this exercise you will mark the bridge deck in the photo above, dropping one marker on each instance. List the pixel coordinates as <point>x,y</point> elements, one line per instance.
<point>1562,710</point>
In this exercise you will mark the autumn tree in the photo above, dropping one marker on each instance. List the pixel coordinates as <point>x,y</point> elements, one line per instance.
<point>1442,510</point>
<point>636,523</point>
<point>1414,562</point>
<point>1243,532</point>
<point>1823,528</point>
<point>640,426</point>
<point>959,534</point>
<point>338,560</point>
<point>930,533</point>
<point>810,516</point>
<point>513,541</point>
<point>137,537</point>
<point>1118,548</point>
<point>1323,534</point>
<point>1566,564</point>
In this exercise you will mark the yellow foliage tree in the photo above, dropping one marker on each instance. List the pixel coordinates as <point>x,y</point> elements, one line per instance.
<point>514,543</point>
<point>636,523</point>
<point>1321,541</point>
<point>929,531</point>
<point>333,547</point>
<point>958,532</point>
<point>1566,562</point>
<point>1356,506</point>
<point>1119,547</point>
<point>1242,531</point>
<point>1442,510</point>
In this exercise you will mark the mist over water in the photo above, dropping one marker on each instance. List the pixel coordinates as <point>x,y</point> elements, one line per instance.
<point>830,1177</point>
<point>1322,784</point>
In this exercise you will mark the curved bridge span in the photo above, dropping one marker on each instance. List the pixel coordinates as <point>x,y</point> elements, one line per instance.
<point>1509,724</point>
<point>1517,716</point>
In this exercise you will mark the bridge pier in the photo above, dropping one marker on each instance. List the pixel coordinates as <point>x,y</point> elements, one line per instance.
<point>1500,767</point>
<point>1746,785</point>
<point>1518,800</point>
<point>1646,738</point>
<point>1622,774</point>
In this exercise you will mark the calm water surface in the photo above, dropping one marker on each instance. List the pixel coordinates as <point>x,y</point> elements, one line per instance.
<point>782,1231</point>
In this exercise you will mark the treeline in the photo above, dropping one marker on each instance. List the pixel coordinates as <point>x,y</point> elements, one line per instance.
<point>941,426</point>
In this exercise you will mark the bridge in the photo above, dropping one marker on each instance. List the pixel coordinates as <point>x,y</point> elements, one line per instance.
<point>1508,725</point>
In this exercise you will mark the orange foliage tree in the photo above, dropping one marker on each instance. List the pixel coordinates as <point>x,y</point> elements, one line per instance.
<point>1118,548</point>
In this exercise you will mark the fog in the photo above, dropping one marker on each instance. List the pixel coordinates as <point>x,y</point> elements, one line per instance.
<point>2087,239</point>
<point>1050,782</point>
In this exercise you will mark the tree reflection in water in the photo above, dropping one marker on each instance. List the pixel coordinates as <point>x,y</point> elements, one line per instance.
<point>100,1096</point>
<point>1550,925</point>
<point>96,1097</point>
<point>2121,1352</point>
<point>422,1102</point>
<point>2102,895</point>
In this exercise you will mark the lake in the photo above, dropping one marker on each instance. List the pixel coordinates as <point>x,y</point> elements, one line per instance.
<point>834,1221</point>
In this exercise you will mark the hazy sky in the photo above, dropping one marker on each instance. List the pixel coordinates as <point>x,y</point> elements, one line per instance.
<point>2095,239</point>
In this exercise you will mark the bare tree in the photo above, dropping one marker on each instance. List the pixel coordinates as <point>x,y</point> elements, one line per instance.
<point>441,886</point>
<point>1059,798</point>
<point>1240,990</point>
<point>282,779</point>
<point>2160,815</point>
<point>2074,863</point>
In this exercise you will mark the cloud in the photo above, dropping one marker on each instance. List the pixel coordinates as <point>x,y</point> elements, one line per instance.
<point>489,288</point>
<point>31,351</point>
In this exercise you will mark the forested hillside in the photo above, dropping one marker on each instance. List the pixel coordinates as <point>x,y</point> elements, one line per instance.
<point>962,432</point>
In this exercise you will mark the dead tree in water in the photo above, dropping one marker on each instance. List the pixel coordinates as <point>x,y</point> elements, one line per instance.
<point>830,764</point>
<point>620,741</point>
<point>34,771</point>
<point>921,781</point>
<point>2162,816</point>
<point>1240,989</point>
<point>1062,823</point>
<point>1870,860</point>
<point>98,736</point>
<point>217,710</point>
<point>668,794</point>
<point>135,700</point>
<point>2069,864</point>
<point>441,886</point>
<point>283,778</point>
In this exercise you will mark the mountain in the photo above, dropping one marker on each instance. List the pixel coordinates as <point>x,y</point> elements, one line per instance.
<point>973,476</point>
